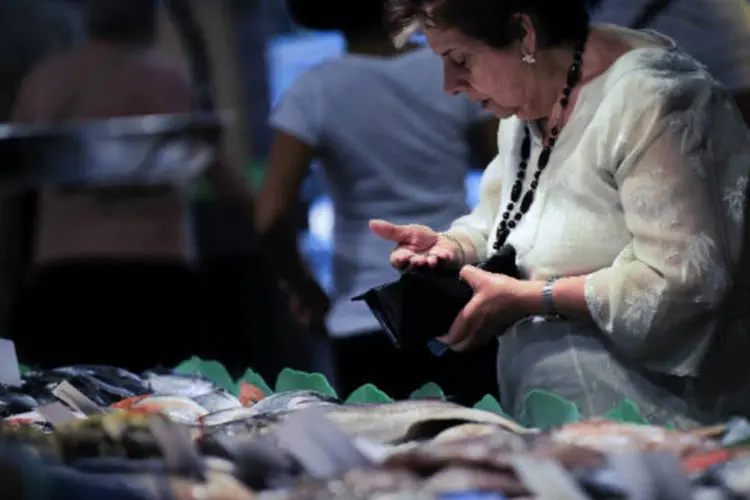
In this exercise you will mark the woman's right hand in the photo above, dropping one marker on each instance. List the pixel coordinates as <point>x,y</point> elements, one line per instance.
<point>417,245</point>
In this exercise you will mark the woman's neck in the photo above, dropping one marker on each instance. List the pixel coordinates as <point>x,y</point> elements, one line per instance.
<point>600,52</point>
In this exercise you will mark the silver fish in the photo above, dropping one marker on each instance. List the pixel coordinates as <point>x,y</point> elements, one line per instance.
<point>457,478</point>
<point>403,421</point>
<point>293,400</point>
<point>228,416</point>
<point>179,385</point>
<point>217,400</point>
<point>179,409</point>
<point>392,423</point>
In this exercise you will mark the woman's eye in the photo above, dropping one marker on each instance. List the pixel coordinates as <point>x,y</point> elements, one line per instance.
<point>461,63</point>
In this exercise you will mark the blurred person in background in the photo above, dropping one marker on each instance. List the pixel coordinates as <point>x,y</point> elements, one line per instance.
<point>716,32</point>
<point>29,31</point>
<point>391,144</point>
<point>115,263</point>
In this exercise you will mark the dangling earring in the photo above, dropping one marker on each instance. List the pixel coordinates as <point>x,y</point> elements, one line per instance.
<point>528,58</point>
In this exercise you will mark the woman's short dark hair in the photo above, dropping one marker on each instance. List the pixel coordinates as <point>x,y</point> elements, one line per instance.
<point>348,16</point>
<point>494,22</point>
<point>121,20</point>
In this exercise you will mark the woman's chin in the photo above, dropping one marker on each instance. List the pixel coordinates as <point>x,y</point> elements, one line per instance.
<point>499,111</point>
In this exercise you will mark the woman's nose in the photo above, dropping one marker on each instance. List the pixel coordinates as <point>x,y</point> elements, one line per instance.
<point>453,83</point>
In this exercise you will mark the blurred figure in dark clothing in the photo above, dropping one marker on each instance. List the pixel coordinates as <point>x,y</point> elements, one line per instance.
<point>29,32</point>
<point>392,145</point>
<point>115,266</point>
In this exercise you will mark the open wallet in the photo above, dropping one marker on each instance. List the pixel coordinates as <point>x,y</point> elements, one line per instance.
<point>424,302</point>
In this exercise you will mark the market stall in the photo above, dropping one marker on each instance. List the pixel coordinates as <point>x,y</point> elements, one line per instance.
<point>194,433</point>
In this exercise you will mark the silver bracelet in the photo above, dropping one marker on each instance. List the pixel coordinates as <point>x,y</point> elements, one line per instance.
<point>454,240</point>
<point>548,304</point>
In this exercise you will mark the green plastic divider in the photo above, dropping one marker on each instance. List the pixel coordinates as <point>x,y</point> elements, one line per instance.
<point>542,409</point>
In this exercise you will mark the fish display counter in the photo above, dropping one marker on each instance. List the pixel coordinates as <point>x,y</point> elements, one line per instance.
<point>102,432</point>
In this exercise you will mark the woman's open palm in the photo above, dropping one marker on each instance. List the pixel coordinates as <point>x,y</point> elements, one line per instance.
<point>416,245</point>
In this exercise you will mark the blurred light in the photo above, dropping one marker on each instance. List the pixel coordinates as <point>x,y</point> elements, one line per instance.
<point>321,219</point>
<point>289,55</point>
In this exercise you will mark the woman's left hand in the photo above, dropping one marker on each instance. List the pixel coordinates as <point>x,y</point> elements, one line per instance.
<point>496,304</point>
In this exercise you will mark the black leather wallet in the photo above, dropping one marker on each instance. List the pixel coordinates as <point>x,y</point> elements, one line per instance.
<point>424,302</point>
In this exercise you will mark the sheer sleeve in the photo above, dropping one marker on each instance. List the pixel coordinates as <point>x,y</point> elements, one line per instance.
<point>675,270</point>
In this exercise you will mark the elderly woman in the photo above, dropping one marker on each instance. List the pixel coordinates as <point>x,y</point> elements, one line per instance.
<point>621,182</point>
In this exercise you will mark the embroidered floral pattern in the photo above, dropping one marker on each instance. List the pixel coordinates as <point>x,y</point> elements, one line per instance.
<point>648,201</point>
<point>641,307</point>
<point>595,302</point>
<point>734,199</point>
<point>671,213</point>
<point>666,152</point>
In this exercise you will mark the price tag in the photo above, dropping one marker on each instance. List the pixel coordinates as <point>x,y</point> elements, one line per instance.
<point>56,413</point>
<point>74,398</point>
<point>10,374</point>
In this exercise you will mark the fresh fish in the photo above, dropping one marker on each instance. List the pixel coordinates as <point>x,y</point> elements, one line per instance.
<point>179,385</point>
<point>457,479</point>
<point>217,400</point>
<point>490,452</point>
<point>26,418</point>
<point>128,403</point>
<point>465,431</point>
<point>13,403</point>
<point>389,423</point>
<point>612,437</point>
<point>354,485</point>
<point>229,416</point>
<point>110,375</point>
<point>293,400</point>
<point>179,409</point>
<point>102,384</point>
<point>100,393</point>
<point>403,421</point>
<point>735,477</point>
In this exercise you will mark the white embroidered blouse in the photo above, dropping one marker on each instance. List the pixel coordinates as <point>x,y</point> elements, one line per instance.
<point>644,194</point>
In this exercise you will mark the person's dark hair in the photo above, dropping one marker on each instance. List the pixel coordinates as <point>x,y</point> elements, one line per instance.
<point>494,22</point>
<point>351,17</point>
<point>121,20</point>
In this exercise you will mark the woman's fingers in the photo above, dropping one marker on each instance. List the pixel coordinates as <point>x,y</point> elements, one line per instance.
<point>417,237</point>
<point>387,230</point>
<point>400,257</point>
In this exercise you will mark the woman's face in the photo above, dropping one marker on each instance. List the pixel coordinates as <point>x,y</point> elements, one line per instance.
<point>497,79</point>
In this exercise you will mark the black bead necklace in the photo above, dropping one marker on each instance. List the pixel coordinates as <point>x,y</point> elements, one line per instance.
<point>508,223</point>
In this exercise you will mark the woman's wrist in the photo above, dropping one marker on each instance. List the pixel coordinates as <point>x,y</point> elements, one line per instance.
<point>465,252</point>
<point>566,296</point>
<point>460,251</point>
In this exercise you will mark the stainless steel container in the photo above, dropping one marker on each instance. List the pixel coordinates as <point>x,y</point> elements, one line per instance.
<point>158,149</point>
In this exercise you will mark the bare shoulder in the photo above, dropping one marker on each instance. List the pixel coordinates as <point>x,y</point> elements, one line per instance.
<point>165,82</point>
<point>34,96</point>
<point>166,67</point>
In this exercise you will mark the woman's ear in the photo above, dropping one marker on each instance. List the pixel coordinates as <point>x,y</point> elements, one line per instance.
<point>526,34</point>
